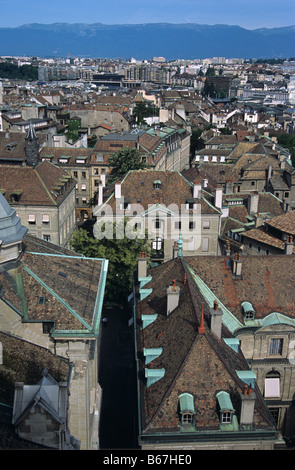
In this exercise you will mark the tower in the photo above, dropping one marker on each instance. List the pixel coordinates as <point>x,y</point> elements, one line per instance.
<point>32,146</point>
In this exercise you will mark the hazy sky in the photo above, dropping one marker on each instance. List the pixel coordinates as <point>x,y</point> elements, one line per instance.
<point>249,14</point>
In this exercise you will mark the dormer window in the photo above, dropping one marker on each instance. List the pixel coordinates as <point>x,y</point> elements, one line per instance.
<point>187,410</point>
<point>248,310</point>
<point>228,419</point>
<point>157,184</point>
<point>15,195</point>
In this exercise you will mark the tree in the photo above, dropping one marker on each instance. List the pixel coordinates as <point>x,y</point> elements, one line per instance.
<point>122,254</point>
<point>125,160</point>
<point>209,88</point>
<point>288,141</point>
<point>143,110</point>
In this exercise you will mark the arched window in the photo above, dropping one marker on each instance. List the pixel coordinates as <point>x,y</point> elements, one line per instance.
<point>272,384</point>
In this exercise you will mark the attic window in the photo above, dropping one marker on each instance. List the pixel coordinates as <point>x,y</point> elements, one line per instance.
<point>15,195</point>
<point>64,160</point>
<point>10,147</point>
<point>226,408</point>
<point>248,310</point>
<point>81,160</point>
<point>41,300</point>
<point>157,184</point>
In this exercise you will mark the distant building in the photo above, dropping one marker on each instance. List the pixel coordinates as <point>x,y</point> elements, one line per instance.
<point>166,205</point>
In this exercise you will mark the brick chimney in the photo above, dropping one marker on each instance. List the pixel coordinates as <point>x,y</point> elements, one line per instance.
<point>142,265</point>
<point>216,319</point>
<point>172,297</point>
<point>248,398</point>
<point>227,248</point>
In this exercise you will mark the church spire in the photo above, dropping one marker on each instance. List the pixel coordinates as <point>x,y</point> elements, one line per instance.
<point>32,146</point>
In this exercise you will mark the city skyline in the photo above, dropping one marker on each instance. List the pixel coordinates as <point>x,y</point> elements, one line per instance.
<point>249,14</point>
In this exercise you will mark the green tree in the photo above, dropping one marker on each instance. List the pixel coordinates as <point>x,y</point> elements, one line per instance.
<point>143,110</point>
<point>122,254</point>
<point>209,88</point>
<point>288,141</point>
<point>125,160</point>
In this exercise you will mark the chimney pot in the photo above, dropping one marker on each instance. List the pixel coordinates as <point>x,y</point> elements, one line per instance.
<point>247,407</point>
<point>201,328</point>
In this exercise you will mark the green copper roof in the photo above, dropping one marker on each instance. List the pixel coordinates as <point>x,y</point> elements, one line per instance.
<point>186,403</point>
<point>151,353</point>
<point>275,318</point>
<point>247,307</point>
<point>224,401</point>
<point>153,375</point>
<point>148,319</point>
<point>247,376</point>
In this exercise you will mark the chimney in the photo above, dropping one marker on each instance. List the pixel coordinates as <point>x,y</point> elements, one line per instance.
<point>103,180</point>
<point>227,248</point>
<point>285,205</point>
<point>229,186</point>
<point>237,265</point>
<point>248,398</point>
<point>142,265</point>
<point>218,198</point>
<point>259,220</point>
<point>216,319</point>
<point>289,245</point>
<point>100,194</point>
<point>118,190</point>
<point>253,200</point>
<point>205,183</point>
<point>197,192</point>
<point>201,328</point>
<point>172,297</point>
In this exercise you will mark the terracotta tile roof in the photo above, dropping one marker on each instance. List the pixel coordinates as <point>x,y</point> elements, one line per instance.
<point>284,223</point>
<point>267,282</point>
<point>36,184</point>
<point>260,234</point>
<point>72,153</point>
<point>138,188</point>
<point>12,145</point>
<point>195,363</point>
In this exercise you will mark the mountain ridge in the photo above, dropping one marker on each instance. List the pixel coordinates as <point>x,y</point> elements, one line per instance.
<point>146,40</point>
